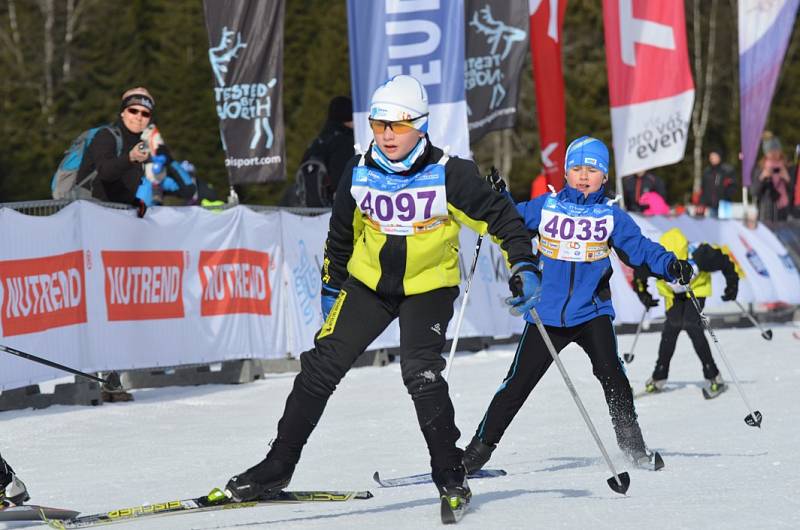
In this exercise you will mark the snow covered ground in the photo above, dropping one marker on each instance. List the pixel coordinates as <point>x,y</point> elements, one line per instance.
<point>180,442</point>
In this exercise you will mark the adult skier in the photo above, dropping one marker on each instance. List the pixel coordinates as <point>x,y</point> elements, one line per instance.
<point>577,228</point>
<point>392,252</point>
<point>681,313</point>
<point>12,489</point>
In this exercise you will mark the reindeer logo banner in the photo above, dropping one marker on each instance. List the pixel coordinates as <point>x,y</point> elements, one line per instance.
<point>246,56</point>
<point>497,33</point>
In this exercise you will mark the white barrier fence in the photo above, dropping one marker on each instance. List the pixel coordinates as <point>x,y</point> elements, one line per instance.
<point>99,289</point>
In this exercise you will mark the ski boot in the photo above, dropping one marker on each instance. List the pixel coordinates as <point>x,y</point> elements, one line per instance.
<point>262,481</point>
<point>644,459</point>
<point>652,386</point>
<point>714,388</point>
<point>12,492</point>
<point>477,454</point>
<point>454,492</point>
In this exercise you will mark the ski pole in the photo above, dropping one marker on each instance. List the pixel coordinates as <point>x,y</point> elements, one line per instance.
<point>754,418</point>
<point>620,481</point>
<point>40,360</point>
<point>463,307</point>
<point>766,333</point>
<point>628,357</point>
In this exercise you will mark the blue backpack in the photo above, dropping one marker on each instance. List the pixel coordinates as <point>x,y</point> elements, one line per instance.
<point>64,184</point>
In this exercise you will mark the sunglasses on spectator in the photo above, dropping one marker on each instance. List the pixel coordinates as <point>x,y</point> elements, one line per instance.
<point>144,113</point>
<point>397,127</point>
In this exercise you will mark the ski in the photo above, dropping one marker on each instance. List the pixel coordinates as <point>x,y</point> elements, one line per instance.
<point>424,478</point>
<point>453,508</point>
<point>32,512</point>
<point>216,500</point>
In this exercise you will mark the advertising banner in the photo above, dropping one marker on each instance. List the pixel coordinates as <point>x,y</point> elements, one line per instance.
<point>650,86</point>
<point>496,37</point>
<point>422,39</point>
<point>546,23</point>
<point>246,55</point>
<point>764,32</point>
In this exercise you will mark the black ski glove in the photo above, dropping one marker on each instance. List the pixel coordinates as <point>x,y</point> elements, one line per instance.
<point>681,270</point>
<point>496,181</point>
<point>731,290</point>
<point>647,299</point>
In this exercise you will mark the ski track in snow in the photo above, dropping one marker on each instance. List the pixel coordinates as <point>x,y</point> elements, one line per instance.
<point>180,442</point>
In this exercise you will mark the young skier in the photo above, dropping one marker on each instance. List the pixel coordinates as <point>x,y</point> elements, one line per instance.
<point>392,252</point>
<point>577,229</point>
<point>681,313</point>
<point>12,489</point>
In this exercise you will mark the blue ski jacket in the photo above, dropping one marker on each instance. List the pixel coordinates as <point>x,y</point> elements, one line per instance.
<point>576,235</point>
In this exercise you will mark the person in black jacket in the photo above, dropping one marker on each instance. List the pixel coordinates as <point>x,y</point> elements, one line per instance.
<point>634,186</point>
<point>120,173</point>
<point>12,490</point>
<point>392,252</point>
<point>681,313</point>
<point>333,147</point>
<point>718,183</point>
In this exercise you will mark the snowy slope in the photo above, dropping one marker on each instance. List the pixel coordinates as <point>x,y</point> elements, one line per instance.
<point>175,443</point>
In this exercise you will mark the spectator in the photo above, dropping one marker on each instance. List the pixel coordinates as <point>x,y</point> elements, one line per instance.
<point>120,173</point>
<point>718,185</point>
<point>653,204</point>
<point>633,186</point>
<point>333,147</point>
<point>771,186</point>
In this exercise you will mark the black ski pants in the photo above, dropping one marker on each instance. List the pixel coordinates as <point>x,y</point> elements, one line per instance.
<point>357,318</point>
<point>683,316</point>
<point>532,360</point>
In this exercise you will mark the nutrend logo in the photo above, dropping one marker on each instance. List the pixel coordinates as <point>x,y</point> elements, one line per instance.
<point>42,293</point>
<point>234,281</point>
<point>143,285</point>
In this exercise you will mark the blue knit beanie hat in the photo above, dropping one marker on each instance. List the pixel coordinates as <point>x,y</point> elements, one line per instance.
<point>587,151</point>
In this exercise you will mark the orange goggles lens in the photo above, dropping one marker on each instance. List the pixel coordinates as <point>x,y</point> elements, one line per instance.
<point>397,127</point>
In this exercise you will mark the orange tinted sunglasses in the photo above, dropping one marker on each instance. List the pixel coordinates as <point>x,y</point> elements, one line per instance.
<point>397,127</point>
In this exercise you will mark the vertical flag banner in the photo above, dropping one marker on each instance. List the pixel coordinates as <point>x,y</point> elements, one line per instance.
<point>422,39</point>
<point>246,55</point>
<point>496,36</point>
<point>650,86</point>
<point>546,22</point>
<point>764,31</point>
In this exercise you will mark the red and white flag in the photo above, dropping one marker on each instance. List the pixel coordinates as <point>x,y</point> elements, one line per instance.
<point>546,21</point>
<point>650,84</point>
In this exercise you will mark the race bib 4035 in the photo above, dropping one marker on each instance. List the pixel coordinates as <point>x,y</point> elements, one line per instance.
<point>573,232</point>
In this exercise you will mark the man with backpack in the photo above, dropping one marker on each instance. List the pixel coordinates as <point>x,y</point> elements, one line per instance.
<point>117,153</point>
<point>324,160</point>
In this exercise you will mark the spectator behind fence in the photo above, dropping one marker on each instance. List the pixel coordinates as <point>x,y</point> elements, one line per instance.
<point>771,186</point>
<point>634,186</point>
<point>120,175</point>
<point>653,204</point>
<point>718,186</point>
<point>323,162</point>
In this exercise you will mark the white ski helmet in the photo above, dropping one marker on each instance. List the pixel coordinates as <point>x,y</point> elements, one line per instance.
<point>401,98</point>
